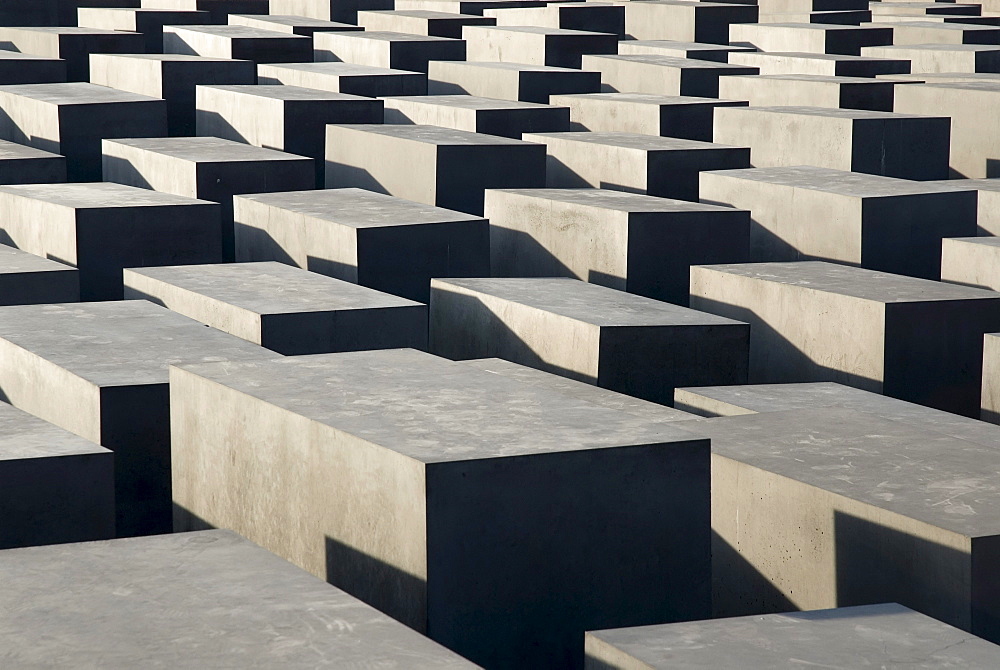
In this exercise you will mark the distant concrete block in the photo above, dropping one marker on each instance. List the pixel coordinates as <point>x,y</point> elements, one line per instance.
<point>345,78</point>
<point>475,7</point>
<point>506,118</point>
<point>942,57</point>
<point>611,238</point>
<point>536,45</point>
<point>238,42</point>
<point>421,22</point>
<point>925,32</point>
<point>18,68</point>
<point>718,53</point>
<point>662,75</point>
<point>218,10</point>
<point>345,11</point>
<point>389,244</point>
<point>685,21</point>
<point>50,12</point>
<point>817,38</point>
<point>27,279</point>
<point>830,65</point>
<point>73,45</point>
<point>836,17</point>
<point>989,201</point>
<point>809,90</point>
<point>398,51</point>
<point>598,17</point>
<point>148,22</point>
<point>291,24</point>
<point>20,164</point>
<point>508,81</point>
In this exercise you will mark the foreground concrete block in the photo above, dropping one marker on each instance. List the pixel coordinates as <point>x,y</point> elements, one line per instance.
<point>375,240</point>
<point>72,119</point>
<point>283,308</point>
<point>207,577</point>
<point>475,530</point>
<point>508,81</point>
<point>685,21</point>
<point>172,77</point>
<point>687,117</point>
<point>830,65</point>
<point>100,228</point>
<point>619,341</point>
<point>809,90</point>
<point>906,146</point>
<point>718,53</point>
<point>817,38</point>
<point>207,168</point>
<point>18,68</point>
<point>611,238</point>
<point>662,75</point>
<point>507,118</point>
<point>345,11</point>
<point>239,42</point>
<point>661,166</point>
<point>73,45</point>
<point>842,637</point>
<point>858,219</point>
<point>398,51</point>
<point>148,22</point>
<point>864,328</point>
<point>291,24</point>
<point>20,164</point>
<point>428,164</point>
<point>536,45</point>
<point>100,370</point>
<point>421,22</point>
<point>942,57</point>
<point>27,279</point>
<point>345,78</point>
<point>973,261</point>
<point>598,17</point>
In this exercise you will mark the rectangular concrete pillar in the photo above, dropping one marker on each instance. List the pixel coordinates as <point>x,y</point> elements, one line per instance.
<point>218,10</point>
<point>291,24</point>
<point>924,32</point>
<point>27,279</point>
<point>536,45</point>
<point>345,11</point>
<point>810,90</point>
<point>989,202</point>
<point>835,17</point>
<point>717,53</point>
<point>148,22</point>
<point>830,65</point>
<point>345,78</point>
<point>18,68</point>
<point>942,57</point>
<point>818,38</point>
<point>239,42</point>
<point>50,12</point>
<point>596,17</point>
<point>662,75</point>
<point>421,22</point>
<point>399,51</point>
<point>20,164</point>
<point>506,118</point>
<point>685,21</point>
<point>508,81</point>
<point>73,45</point>
<point>972,261</point>
<point>475,7</point>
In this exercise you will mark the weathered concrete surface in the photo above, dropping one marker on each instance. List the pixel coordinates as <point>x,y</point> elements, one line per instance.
<point>238,42</point>
<point>210,600</point>
<point>536,45</point>
<point>375,240</point>
<point>20,164</point>
<point>880,223</point>
<point>509,81</point>
<point>283,308</point>
<point>989,201</point>
<point>830,65</point>
<point>685,21</point>
<point>50,12</point>
<point>972,261</point>
<point>846,637</point>
<point>72,45</point>
<point>399,51</point>
<point>18,68</point>
<point>599,17</point>
<point>817,38</point>
<point>718,53</point>
<point>27,279</point>
<point>662,75</point>
<point>329,10</point>
<point>924,32</point>
<point>475,7</point>
<point>817,321</point>
<point>794,90</point>
<point>615,340</point>
<point>422,22</point>
<point>218,10</point>
<point>942,57</point>
<point>467,505</point>
<point>345,78</point>
<point>289,23</point>
<point>611,238</point>
<point>148,22</point>
<point>100,228</point>
<point>490,116</point>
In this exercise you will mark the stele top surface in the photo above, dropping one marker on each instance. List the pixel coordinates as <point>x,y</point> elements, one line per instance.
<point>381,36</point>
<point>234,32</point>
<point>97,195</point>
<point>15,151</point>
<point>830,112</point>
<point>171,58</point>
<point>436,135</point>
<point>206,149</point>
<point>331,68</point>
<point>672,61</point>
<point>14,261</point>
<point>643,99</point>
<point>502,65</point>
<point>24,436</point>
<point>282,92</point>
<point>636,141</point>
<point>618,201</point>
<point>841,182</point>
<point>75,93</point>
<point>463,102</point>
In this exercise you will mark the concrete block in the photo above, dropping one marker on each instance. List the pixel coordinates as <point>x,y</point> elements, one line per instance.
<point>687,117</point>
<point>286,118</point>
<point>343,11</point>
<point>72,45</point>
<point>598,17</point>
<point>923,32</point>
<point>942,57</point>
<point>818,38</point>
<point>421,22</point>
<point>50,12</point>
<point>232,603</point>
<point>99,370</point>
<point>685,21</point>
<point>27,279</point>
<point>662,75</point>
<point>508,81</point>
<point>345,78</point>
<point>842,18</point>
<point>238,42</point>
<point>845,637</point>
<point>660,166</point>
<point>785,6</point>
<point>817,321</point>
<point>398,51</point>
<point>283,308</point>
<point>611,238</point>
<point>989,201</point>
<point>991,378</point>
<point>72,119</point>
<point>207,168</point>
<point>18,68</point>
<point>474,7</point>
<point>100,228</point>
<point>718,53</point>
<point>148,22</point>
<point>794,90</point>
<point>536,45</point>
<point>218,10</point>
<point>857,219</point>
<point>619,341</point>
<point>293,25</point>
<point>906,146</point>
<point>942,77</point>
<point>473,518</point>
<point>374,240</point>
<point>20,164</point>
<point>830,65</point>
<point>428,164</point>
<point>507,118</point>
<point>975,134</point>
<point>971,20</point>
<point>172,77</point>
<point>972,261</point>
<point>926,9</point>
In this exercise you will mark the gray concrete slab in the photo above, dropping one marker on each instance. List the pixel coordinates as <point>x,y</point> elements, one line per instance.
<point>599,17</point>
<point>807,212</point>
<point>864,328</point>
<point>660,166</point>
<point>835,17</point>
<point>290,23</point>
<point>662,75</point>
<point>612,339</point>
<point>942,77</point>
<point>218,10</point>
<point>148,22</point>
<point>100,228</point>
<point>50,12</point>
<point>925,32</point>
<point>818,38</point>
<point>927,8</point>
<point>207,168</point>
<point>718,53</point>
<point>18,68</point>
<point>508,81</point>
<point>27,279</point>
<point>421,22</point>
<point>475,7</point>
<point>831,65</point>
<point>988,191</point>
<point>386,243</point>
<point>478,504</point>
<point>345,11</point>
<point>231,602</point>
<point>72,45</point>
<point>345,78</point>
<point>399,51</point>
<point>536,45</point>
<point>685,21</point>
<point>942,57</point>
<point>611,238</point>
<point>785,6</point>
<point>906,146</point>
<point>283,308</point>
<point>506,118</point>
<point>238,42</point>
<point>972,261</point>
<point>20,164</point>
<point>794,90</point>
<point>844,637</point>
<point>72,119</point>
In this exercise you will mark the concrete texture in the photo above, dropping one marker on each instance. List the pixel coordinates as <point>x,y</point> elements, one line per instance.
<point>469,506</point>
<point>686,117</point>
<point>846,637</point>
<point>207,168</point>
<point>718,53</point>
<point>72,45</point>
<point>598,17</point>
<point>536,45</point>
<point>847,217</point>
<point>422,22</point>
<point>812,90</point>
<point>906,146</point>
<point>660,166</point>
<point>20,164</point>
<point>989,201</point>
<point>72,119</point>
<point>18,68</point>
<point>942,57</point>
<point>218,10</point>
<point>830,65</point>
<point>399,51</point>
<point>428,164</point>
<point>283,308</point>
<point>99,370</point>
<point>817,38</point>
<point>289,23</point>
<point>662,75</point>
<point>101,228</point>
<point>27,279</point>
<point>685,21</point>
<point>972,261</point>
<point>475,7</point>
<point>173,77</point>
<point>924,32</point>
<point>50,12</point>
<point>506,118</point>
<point>345,11</point>
<point>345,78</point>
<point>148,22</point>
<point>386,243</point>
<point>508,81</point>
<point>864,328</point>
<point>611,238</point>
<point>238,42</point>
<point>991,378</point>
<point>209,600</point>
<point>615,340</point>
